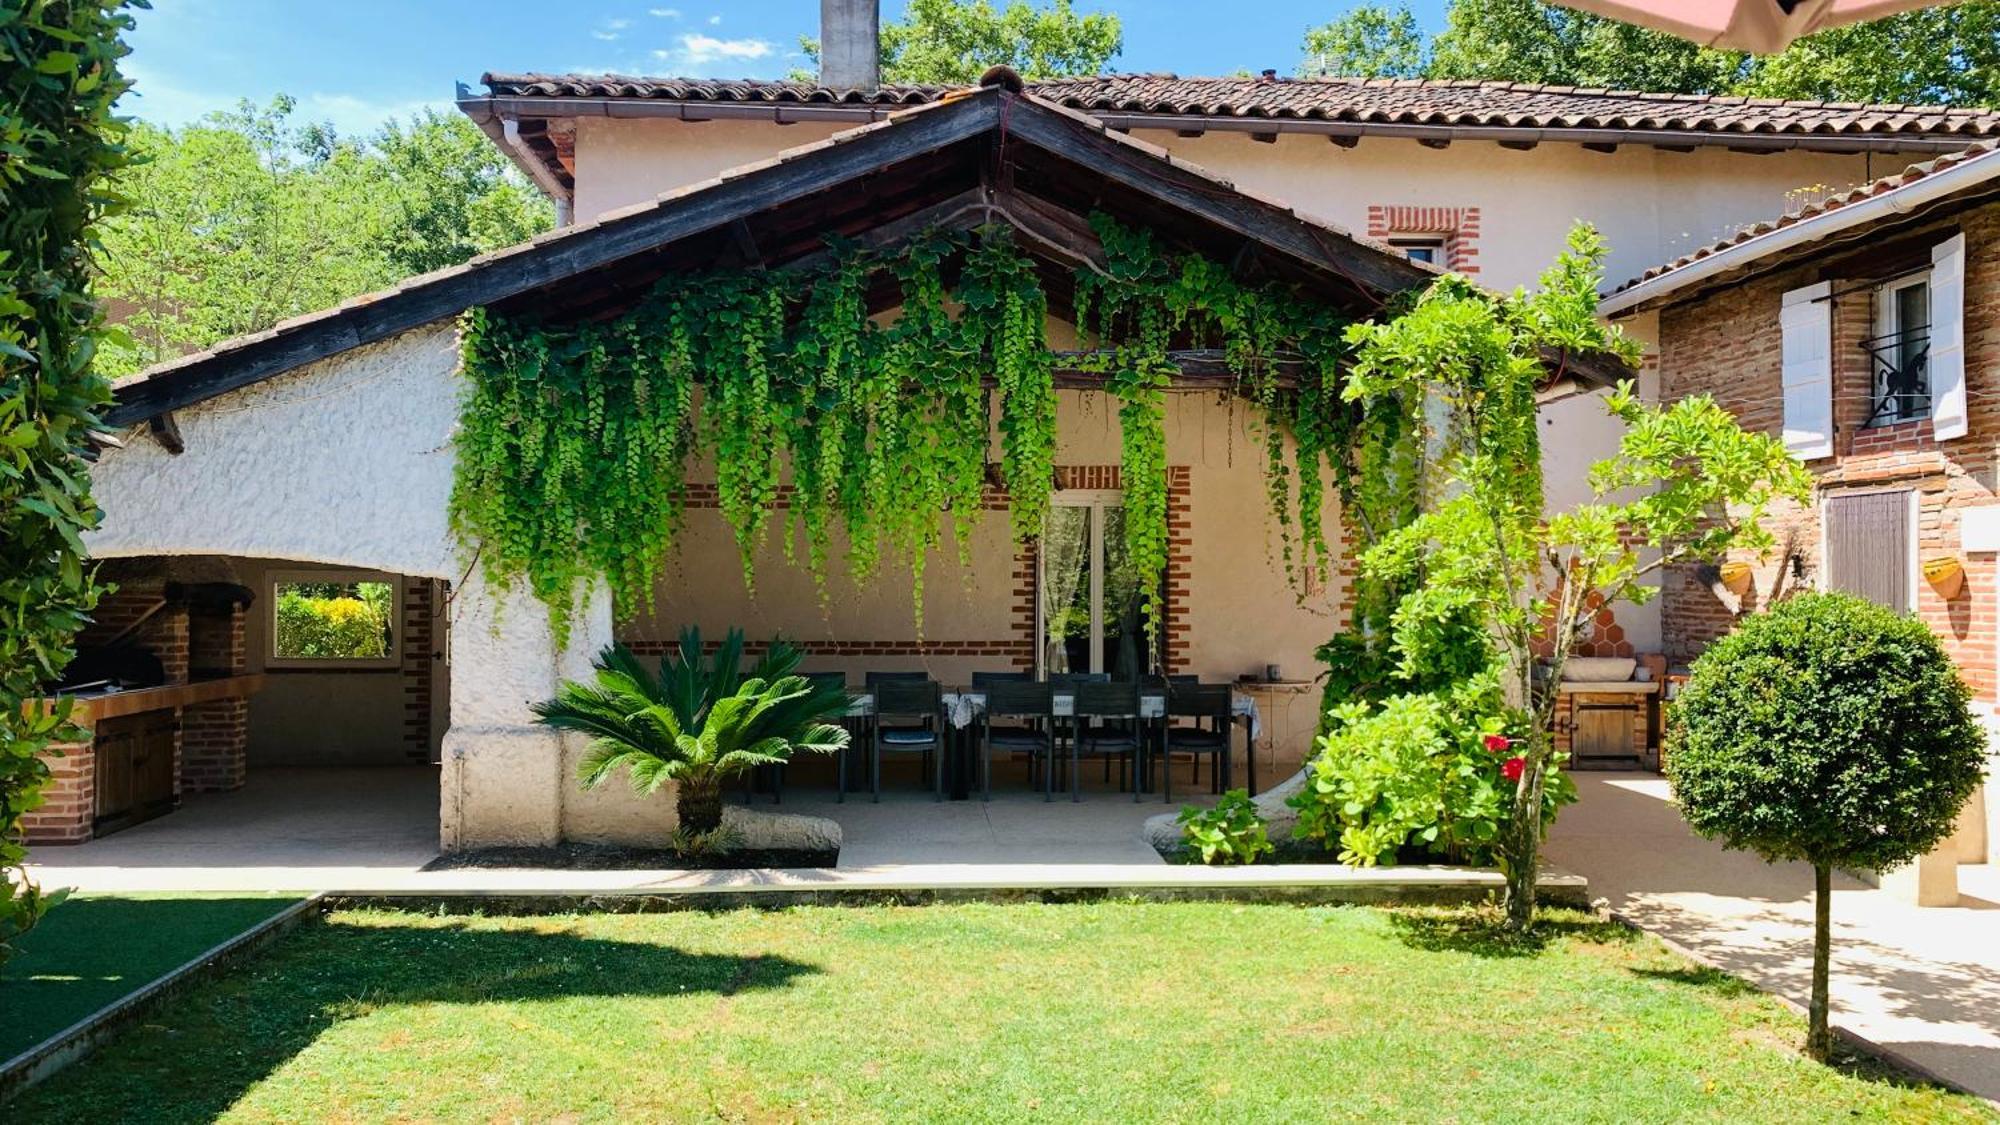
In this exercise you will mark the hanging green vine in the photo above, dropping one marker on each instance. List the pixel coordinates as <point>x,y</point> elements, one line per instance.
<point>573,439</point>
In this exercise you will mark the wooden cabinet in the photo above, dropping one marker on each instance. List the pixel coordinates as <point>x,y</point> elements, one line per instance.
<point>135,769</point>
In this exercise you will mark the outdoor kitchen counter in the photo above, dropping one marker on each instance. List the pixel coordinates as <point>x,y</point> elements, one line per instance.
<point>111,705</point>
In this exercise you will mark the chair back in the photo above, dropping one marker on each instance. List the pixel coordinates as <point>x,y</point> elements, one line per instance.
<point>875,679</point>
<point>1107,700</point>
<point>1024,699</point>
<point>824,680</point>
<point>1198,700</point>
<point>909,697</point>
<point>1067,681</point>
<point>983,679</point>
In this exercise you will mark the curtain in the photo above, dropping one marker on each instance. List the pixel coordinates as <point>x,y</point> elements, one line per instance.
<point>1065,553</point>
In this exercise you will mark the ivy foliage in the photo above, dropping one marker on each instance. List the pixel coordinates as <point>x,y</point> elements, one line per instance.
<point>58,142</point>
<point>574,439</point>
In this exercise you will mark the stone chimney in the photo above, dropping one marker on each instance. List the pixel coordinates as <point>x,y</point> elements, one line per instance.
<point>850,44</point>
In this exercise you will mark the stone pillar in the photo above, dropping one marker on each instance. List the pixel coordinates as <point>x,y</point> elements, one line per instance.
<point>69,804</point>
<point>504,780</point>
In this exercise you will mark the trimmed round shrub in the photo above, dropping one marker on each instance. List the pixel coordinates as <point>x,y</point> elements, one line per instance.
<point>1829,730</point>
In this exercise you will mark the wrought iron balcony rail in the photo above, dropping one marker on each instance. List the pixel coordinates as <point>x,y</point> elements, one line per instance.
<point>1900,375</point>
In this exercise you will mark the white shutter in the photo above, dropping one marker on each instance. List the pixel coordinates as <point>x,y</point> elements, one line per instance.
<point>1947,351</point>
<point>1806,322</point>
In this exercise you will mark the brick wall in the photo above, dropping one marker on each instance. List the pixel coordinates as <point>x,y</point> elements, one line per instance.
<point>70,802</point>
<point>1457,226</point>
<point>215,739</point>
<point>164,633</point>
<point>1727,345</point>
<point>417,669</point>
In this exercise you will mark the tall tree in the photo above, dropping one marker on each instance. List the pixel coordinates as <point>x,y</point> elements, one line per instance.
<point>952,42</point>
<point>1946,55</point>
<point>248,217</point>
<point>58,141</point>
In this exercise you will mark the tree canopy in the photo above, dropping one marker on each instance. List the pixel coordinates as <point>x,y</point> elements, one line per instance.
<point>952,42</point>
<point>248,217</point>
<point>1945,56</point>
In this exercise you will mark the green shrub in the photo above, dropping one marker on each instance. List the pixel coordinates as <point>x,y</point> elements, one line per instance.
<point>1229,833</point>
<point>334,626</point>
<point>1424,772</point>
<point>1828,730</point>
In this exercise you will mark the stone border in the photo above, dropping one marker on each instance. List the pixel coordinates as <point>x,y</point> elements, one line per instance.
<point>1853,1039</point>
<point>84,1036</point>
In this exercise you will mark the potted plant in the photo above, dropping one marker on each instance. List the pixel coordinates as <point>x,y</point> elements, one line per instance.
<point>697,723</point>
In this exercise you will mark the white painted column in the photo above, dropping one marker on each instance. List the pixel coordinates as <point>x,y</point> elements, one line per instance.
<point>506,779</point>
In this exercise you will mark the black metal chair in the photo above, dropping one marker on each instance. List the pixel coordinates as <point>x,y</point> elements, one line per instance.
<point>877,679</point>
<point>1209,706</point>
<point>922,700</point>
<point>1107,725</point>
<point>1033,706</point>
<point>821,681</point>
<point>984,679</point>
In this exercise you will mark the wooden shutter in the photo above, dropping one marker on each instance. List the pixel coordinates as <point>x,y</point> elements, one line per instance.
<point>1806,324</point>
<point>1947,350</point>
<point>1868,547</point>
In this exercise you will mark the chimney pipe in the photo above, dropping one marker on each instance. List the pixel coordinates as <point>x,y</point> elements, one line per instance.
<point>850,44</point>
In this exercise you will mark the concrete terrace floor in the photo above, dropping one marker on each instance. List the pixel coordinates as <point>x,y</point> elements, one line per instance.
<point>1923,983</point>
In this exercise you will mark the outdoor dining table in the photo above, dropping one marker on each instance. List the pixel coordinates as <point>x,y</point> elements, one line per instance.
<point>964,704</point>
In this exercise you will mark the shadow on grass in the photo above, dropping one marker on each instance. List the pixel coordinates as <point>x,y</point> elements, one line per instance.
<point>198,1055</point>
<point>1482,931</point>
<point>94,949</point>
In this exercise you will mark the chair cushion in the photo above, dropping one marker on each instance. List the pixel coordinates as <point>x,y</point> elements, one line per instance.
<point>908,736</point>
<point>1018,738</point>
<point>1188,738</point>
<point>1114,740</point>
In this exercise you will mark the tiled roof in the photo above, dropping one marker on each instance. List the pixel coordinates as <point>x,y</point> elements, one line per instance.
<point>1988,151</point>
<point>1351,100</point>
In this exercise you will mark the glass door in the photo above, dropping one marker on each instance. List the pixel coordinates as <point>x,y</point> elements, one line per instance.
<point>1089,606</point>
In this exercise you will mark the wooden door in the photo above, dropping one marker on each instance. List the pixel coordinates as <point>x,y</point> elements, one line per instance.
<point>1602,732</point>
<point>135,769</point>
<point>1868,550</point>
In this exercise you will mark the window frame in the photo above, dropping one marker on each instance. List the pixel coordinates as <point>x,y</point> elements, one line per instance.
<point>1887,321</point>
<point>277,578</point>
<point>1437,244</point>
<point>1096,501</point>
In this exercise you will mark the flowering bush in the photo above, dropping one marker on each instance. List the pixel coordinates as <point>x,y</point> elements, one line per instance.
<point>1231,832</point>
<point>1427,772</point>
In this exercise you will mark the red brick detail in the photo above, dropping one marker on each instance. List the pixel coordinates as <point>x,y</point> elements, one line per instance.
<point>1457,226</point>
<point>69,804</point>
<point>417,669</point>
<point>1726,344</point>
<point>902,647</point>
<point>163,632</point>
<point>215,741</point>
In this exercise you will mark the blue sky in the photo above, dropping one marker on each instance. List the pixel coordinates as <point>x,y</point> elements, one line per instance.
<point>356,62</point>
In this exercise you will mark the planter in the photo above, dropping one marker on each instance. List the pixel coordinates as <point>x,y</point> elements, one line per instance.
<point>1736,577</point>
<point>1946,576</point>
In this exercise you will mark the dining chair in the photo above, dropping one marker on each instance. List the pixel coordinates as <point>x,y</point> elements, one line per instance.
<point>982,679</point>
<point>821,681</point>
<point>1032,706</point>
<point>1107,724</point>
<point>875,679</point>
<point>921,700</point>
<point>1205,704</point>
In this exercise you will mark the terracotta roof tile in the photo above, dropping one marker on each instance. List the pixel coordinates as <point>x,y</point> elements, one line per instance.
<point>1353,100</point>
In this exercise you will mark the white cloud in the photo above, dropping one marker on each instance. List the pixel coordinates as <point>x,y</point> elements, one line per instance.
<point>699,50</point>
<point>715,21</point>
<point>664,13</point>
<point>357,117</point>
<point>611,29</point>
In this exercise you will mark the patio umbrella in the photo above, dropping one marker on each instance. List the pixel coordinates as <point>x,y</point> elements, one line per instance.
<point>1759,26</point>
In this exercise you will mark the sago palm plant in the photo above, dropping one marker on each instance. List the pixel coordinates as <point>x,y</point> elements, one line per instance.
<point>696,723</point>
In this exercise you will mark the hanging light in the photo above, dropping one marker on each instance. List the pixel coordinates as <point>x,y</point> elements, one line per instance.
<point>1761,27</point>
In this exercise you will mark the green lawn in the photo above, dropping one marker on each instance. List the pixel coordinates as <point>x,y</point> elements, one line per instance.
<point>1120,1012</point>
<point>93,949</point>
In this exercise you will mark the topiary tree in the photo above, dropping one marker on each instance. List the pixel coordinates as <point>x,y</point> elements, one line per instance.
<point>1828,730</point>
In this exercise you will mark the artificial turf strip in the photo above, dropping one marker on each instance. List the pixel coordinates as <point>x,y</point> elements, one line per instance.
<point>93,949</point>
<point>1108,1011</point>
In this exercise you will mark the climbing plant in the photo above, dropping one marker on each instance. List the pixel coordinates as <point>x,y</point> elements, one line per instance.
<point>574,438</point>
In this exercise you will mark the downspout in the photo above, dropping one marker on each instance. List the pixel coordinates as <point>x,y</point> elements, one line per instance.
<point>527,158</point>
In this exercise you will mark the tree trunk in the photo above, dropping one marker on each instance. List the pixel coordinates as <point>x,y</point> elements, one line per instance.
<point>698,801</point>
<point>1524,850</point>
<point>1819,1039</point>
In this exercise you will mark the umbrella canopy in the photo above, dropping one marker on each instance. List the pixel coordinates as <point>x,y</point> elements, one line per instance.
<point>1759,26</point>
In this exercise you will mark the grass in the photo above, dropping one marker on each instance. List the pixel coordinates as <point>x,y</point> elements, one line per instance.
<point>1108,1011</point>
<point>93,949</point>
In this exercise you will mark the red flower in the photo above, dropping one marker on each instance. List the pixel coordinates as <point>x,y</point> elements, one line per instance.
<point>1496,744</point>
<point>1512,768</point>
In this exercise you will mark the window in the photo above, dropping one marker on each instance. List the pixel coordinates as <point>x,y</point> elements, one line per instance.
<point>1088,608</point>
<point>333,619</point>
<point>1428,248</point>
<point>1871,548</point>
<point>1900,350</point>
